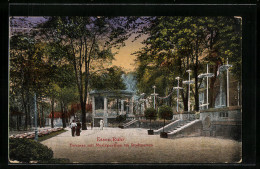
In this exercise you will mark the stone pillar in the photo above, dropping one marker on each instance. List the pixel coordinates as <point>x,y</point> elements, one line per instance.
<point>142,107</point>
<point>220,90</point>
<point>93,110</point>
<point>105,111</point>
<point>122,106</point>
<point>131,106</point>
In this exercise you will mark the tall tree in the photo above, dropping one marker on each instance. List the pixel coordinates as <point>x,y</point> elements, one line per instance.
<point>89,42</point>
<point>109,79</point>
<point>181,43</point>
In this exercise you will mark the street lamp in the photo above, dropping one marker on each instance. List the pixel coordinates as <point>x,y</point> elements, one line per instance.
<point>177,88</point>
<point>238,93</point>
<point>154,94</point>
<point>142,102</point>
<point>35,119</point>
<point>207,75</point>
<point>223,68</point>
<point>188,82</point>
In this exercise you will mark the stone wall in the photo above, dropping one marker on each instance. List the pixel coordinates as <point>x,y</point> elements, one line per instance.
<point>193,130</point>
<point>222,122</point>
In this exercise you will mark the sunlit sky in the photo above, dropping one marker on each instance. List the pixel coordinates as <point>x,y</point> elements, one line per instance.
<point>124,57</point>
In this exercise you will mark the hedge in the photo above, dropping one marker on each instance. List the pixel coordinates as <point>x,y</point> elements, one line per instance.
<point>26,150</point>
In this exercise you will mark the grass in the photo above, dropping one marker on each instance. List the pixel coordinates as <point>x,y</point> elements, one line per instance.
<point>56,161</point>
<point>40,139</point>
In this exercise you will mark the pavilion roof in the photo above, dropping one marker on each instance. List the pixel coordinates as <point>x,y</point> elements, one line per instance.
<point>116,93</point>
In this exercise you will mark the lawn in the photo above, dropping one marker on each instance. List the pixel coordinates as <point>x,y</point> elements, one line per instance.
<point>45,137</point>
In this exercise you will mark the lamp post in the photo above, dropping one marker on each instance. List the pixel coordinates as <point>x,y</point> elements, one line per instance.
<point>35,119</point>
<point>177,88</point>
<point>188,82</point>
<point>207,75</point>
<point>154,94</point>
<point>238,93</point>
<point>127,109</point>
<point>142,102</point>
<point>223,68</point>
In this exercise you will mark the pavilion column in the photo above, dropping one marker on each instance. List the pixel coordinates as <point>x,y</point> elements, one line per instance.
<point>93,110</point>
<point>131,106</point>
<point>142,106</point>
<point>122,106</point>
<point>105,111</point>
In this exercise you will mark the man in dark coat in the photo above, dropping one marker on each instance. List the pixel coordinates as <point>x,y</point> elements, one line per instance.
<point>78,128</point>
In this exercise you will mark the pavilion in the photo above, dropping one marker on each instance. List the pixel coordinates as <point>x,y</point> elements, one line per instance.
<point>107,105</point>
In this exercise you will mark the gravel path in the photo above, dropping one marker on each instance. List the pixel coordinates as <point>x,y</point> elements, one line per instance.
<point>114,145</point>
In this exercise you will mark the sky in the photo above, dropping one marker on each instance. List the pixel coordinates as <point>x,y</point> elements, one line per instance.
<point>123,58</point>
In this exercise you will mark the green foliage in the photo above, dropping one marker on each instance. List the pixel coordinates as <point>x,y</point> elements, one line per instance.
<point>175,44</point>
<point>88,43</point>
<point>26,150</point>
<point>165,112</point>
<point>120,118</point>
<point>110,79</point>
<point>56,161</point>
<point>150,113</point>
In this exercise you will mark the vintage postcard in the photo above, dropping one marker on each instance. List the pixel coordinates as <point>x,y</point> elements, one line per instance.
<point>125,89</point>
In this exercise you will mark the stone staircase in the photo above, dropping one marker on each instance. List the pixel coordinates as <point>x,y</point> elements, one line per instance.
<point>181,128</point>
<point>187,128</point>
<point>169,126</point>
<point>129,123</point>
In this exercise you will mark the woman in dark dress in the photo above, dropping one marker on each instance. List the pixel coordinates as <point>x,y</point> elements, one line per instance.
<point>78,128</point>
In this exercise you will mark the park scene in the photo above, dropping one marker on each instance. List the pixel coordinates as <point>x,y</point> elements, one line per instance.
<point>135,89</point>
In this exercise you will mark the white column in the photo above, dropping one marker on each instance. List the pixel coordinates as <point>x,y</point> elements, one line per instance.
<point>154,98</point>
<point>178,96</point>
<point>189,95</point>
<point>131,111</point>
<point>220,90</point>
<point>207,87</point>
<point>238,93</point>
<point>122,106</point>
<point>105,111</point>
<point>93,109</point>
<point>142,106</point>
<point>227,87</point>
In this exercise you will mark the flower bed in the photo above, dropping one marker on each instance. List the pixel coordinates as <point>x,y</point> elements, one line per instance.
<point>41,133</point>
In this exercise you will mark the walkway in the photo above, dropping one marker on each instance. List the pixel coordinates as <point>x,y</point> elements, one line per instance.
<point>114,145</point>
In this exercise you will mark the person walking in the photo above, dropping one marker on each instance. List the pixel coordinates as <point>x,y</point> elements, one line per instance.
<point>101,123</point>
<point>78,128</point>
<point>91,124</point>
<point>73,126</point>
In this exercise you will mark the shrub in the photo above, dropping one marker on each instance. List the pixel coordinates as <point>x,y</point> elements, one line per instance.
<point>120,118</point>
<point>26,150</point>
<point>150,113</point>
<point>165,112</point>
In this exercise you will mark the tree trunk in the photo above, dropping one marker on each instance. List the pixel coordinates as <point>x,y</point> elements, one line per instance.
<point>196,96</point>
<point>17,123</point>
<point>52,113</point>
<point>117,105</point>
<point>212,92</point>
<point>150,124</point>
<point>163,124</point>
<point>26,112</point>
<point>28,108</point>
<point>40,118</point>
<point>185,99</point>
<point>63,115</point>
<point>43,124</point>
<point>83,110</point>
